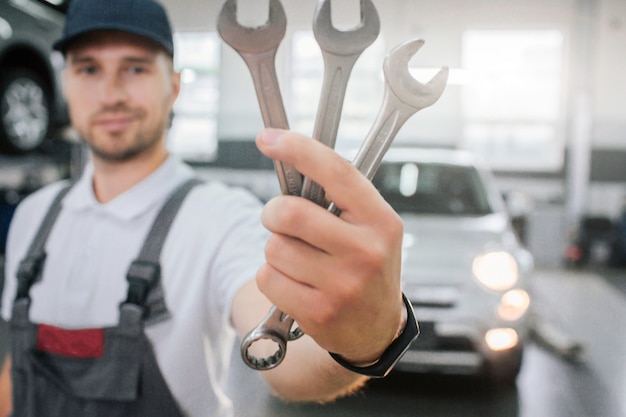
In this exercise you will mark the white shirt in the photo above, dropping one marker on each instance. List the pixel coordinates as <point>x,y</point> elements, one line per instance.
<point>214,246</point>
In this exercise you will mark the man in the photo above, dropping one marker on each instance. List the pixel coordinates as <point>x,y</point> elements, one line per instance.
<point>338,277</point>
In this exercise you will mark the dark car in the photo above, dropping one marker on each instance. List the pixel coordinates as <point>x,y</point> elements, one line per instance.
<point>31,101</point>
<point>600,240</point>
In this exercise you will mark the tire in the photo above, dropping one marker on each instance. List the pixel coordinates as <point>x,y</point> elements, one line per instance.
<point>24,110</point>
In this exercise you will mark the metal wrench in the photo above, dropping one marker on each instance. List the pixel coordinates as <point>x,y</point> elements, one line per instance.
<point>403,97</point>
<point>257,47</point>
<point>340,50</point>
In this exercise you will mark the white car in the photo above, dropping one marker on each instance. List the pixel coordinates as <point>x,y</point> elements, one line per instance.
<point>464,269</point>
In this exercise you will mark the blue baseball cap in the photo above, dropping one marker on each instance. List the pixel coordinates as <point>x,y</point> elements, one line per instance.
<point>146,18</point>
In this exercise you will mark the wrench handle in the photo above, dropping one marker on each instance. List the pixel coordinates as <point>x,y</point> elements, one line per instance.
<point>337,69</point>
<point>263,71</point>
<point>392,115</point>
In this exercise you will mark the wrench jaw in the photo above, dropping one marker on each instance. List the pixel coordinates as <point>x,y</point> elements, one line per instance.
<point>252,39</point>
<point>404,86</point>
<point>276,327</point>
<point>266,363</point>
<point>348,42</point>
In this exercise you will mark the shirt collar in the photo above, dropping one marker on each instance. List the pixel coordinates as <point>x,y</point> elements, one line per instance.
<point>135,201</point>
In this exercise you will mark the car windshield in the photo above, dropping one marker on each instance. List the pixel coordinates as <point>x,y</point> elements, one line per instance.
<point>432,188</point>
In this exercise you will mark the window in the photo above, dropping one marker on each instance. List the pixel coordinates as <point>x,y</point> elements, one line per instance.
<point>513,102</point>
<point>193,135</point>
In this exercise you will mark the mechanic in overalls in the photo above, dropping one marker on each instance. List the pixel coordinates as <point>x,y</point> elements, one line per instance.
<point>112,316</point>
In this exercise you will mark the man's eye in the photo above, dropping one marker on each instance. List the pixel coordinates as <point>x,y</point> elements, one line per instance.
<point>136,70</point>
<point>88,70</point>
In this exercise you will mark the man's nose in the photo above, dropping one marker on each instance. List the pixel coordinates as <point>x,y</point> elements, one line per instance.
<point>112,89</point>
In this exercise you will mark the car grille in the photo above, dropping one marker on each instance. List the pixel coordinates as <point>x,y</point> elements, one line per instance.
<point>433,296</point>
<point>429,340</point>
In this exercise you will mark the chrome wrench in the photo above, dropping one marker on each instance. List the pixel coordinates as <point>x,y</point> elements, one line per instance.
<point>258,46</point>
<point>340,51</point>
<point>403,97</point>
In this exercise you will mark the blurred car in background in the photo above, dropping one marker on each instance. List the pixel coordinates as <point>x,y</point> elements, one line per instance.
<point>31,101</point>
<point>464,269</point>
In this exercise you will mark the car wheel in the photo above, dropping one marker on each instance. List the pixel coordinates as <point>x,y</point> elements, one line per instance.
<point>24,110</point>
<point>503,371</point>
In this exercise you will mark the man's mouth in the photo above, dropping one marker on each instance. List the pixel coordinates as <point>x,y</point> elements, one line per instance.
<point>115,123</point>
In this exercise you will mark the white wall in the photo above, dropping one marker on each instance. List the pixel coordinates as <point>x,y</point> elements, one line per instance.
<point>441,23</point>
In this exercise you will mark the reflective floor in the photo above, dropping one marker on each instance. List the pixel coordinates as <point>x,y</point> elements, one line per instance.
<point>587,307</point>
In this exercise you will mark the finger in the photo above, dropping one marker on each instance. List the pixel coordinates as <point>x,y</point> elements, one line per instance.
<point>295,258</point>
<point>342,182</point>
<point>309,306</point>
<point>299,218</point>
<point>288,295</point>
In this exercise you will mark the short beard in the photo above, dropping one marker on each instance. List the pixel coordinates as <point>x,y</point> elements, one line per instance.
<point>138,148</point>
<point>144,142</point>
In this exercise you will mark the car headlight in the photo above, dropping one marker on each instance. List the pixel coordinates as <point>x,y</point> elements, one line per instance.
<point>501,339</point>
<point>513,304</point>
<point>496,270</point>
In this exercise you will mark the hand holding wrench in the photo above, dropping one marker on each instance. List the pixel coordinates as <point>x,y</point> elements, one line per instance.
<point>340,50</point>
<point>257,47</point>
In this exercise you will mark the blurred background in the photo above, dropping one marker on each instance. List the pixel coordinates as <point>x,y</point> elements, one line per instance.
<point>536,90</point>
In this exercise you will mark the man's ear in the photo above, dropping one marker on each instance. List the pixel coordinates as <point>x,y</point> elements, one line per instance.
<point>176,82</point>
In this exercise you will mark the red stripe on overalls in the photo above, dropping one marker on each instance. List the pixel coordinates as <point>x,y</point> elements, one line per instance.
<point>84,343</point>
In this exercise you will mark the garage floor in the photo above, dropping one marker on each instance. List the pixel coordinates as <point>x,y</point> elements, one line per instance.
<point>586,307</point>
<point>589,307</point>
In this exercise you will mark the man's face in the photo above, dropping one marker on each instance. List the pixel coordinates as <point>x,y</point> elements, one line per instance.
<point>120,91</point>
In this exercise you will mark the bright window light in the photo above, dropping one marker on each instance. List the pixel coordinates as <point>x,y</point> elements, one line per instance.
<point>193,135</point>
<point>512,97</point>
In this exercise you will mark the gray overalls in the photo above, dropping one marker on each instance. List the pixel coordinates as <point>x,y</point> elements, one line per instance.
<point>94,372</point>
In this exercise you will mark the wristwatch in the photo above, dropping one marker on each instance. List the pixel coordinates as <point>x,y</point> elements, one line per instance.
<point>392,354</point>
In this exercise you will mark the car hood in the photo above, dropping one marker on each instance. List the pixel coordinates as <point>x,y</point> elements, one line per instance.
<point>440,250</point>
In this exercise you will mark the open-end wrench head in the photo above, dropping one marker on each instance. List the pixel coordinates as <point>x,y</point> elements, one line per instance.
<point>404,86</point>
<point>252,39</point>
<point>347,42</point>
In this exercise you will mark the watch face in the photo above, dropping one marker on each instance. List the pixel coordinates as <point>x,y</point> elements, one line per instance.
<point>393,353</point>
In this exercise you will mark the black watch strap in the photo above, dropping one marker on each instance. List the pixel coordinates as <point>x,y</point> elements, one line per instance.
<point>393,353</point>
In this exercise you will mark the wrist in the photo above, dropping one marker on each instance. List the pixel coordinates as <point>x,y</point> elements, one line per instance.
<point>407,333</point>
<point>366,363</point>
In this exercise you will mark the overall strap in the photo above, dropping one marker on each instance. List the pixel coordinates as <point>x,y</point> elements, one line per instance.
<point>144,273</point>
<point>29,270</point>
